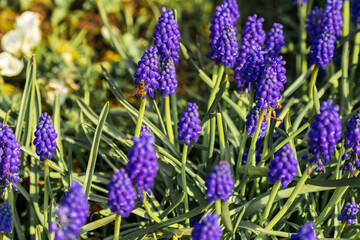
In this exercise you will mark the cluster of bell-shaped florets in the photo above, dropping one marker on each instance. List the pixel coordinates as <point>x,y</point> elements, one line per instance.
<point>234,10</point>
<point>168,83</point>
<point>45,137</point>
<point>121,193</point>
<point>355,12</point>
<point>189,126</point>
<point>219,183</point>
<point>207,229</point>
<point>9,157</point>
<point>283,168</point>
<point>143,165</point>
<point>145,130</point>
<point>348,213</point>
<point>5,218</point>
<point>322,50</point>
<point>313,23</point>
<point>306,232</point>
<point>351,163</point>
<point>71,214</point>
<point>252,120</point>
<point>332,17</point>
<point>325,133</point>
<point>146,75</point>
<point>274,41</point>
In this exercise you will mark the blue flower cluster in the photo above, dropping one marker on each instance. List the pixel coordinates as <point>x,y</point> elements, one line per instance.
<point>45,137</point>
<point>226,47</point>
<point>189,124</point>
<point>322,50</point>
<point>9,157</point>
<point>352,133</point>
<point>234,10</point>
<point>313,23</point>
<point>121,193</point>
<point>71,214</point>
<point>274,41</point>
<point>283,167</point>
<point>5,218</point>
<point>219,183</point>
<point>332,17</point>
<point>143,164</point>
<point>355,12</point>
<point>168,83</point>
<point>325,133</point>
<point>252,121</point>
<point>348,213</point>
<point>145,130</point>
<point>306,232</point>
<point>208,229</point>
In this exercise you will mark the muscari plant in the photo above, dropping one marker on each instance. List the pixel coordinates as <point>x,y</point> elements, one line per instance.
<point>230,182</point>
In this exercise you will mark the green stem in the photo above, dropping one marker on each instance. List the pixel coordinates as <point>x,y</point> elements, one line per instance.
<point>174,113</point>
<point>302,14</point>
<point>117,226</point>
<point>221,136</point>
<point>251,157</point>
<point>168,120</point>
<point>140,118</point>
<point>183,181</point>
<point>290,200</point>
<point>269,204</point>
<point>355,57</point>
<point>1,236</point>
<point>148,209</point>
<point>212,139</point>
<point>312,81</point>
<point>216,87</point>
<point>343,225</point>
<point>12,206</point>
<point>218,207</point>
<point>46,192</point>
<point>267,136</point>
<point>345,101</point>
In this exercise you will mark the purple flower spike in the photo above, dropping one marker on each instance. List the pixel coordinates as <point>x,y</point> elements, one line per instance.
<point>145,130</point>
<point>325,133</point>
<point>322,50</point>
<point>168,83</point>
<point>234,10</point>
<point>5,218</point>
<point>219,184</point>
<point>121,193</point>
<point>271,83</point>
<point>226,47</point>
<point>253,31</point>
<point>306,232</point>
<point>274,41</point>
<point>355,12</point>
<point>252,121</point>
<point>167,36</point>
<point>348,213</point>
<point>146,75</point>
<point>313,23</point>
<point>9,157</point>
<point>45,137</point>
<point>143,164</point>
<point>301,2</point>
<point>283,167</point>
<point>71,214</point>
<point>352,133</point>
<point>189,124</point>
<point>332,17</point>
<point>208,229</point>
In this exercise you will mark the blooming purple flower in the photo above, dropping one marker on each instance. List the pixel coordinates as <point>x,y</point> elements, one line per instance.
<point>208,229</point>
<point>301,2</point>
<point>9,157</point>
<point>322,50</point>
<point>332,17</point>
<point>167,36</point>
<point>271,83</point>
<point>5,218</point>
<point>121,193</point>
<point>313,23</point>
<point>71,213</point>
<point>145,130</point>
<point>306,232</point>
<point>168,83</point>
<point>234,10</point>
<point>189,124</point>
<point>283,167</point>
<point>143,164</point>
<point>274,40</point>
<point>325,133</point>
<point>253,31</point>
<point>252,121</point>
<point>146,75</point>
<point>352,133</point>
<point>45,137</point>
<point>219,184</point>
<point>348,213</point>
<point>355,12</point>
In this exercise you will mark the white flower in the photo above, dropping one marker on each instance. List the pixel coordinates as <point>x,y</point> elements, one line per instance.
<point>10,66</point>
<point>25,36</point>
<point>56,86</point>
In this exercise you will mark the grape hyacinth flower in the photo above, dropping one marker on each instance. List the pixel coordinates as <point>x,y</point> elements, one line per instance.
<point>189,126</point>
<point>274,40</point>
<point>5,218</point>
<point>258,155</point>
<point>219,183</point>
<point>271,83</point>
<point>355,12</point>
<point>226,47</point>
<point>252,121</point>
<point>9,157</point>
<point>283,167</point>
<point>234,10</point>
<point>121,193</point>
<point>253,31</point>
<point>143,164</point>
<point>322,50</point>
<point>352,133</point>
<point>208,229</point>
<point>145,130</point>
<point>45,137</point>
<point>168,83</point>
<point>71,213</point>
<point>325,133</point>
<point>146,75</point>
<point>313,23</point>
<point>332,17</point>
<point>301,2</point>
<point>348,213</point>
<point>167,36</point>
<point>307,231</point>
